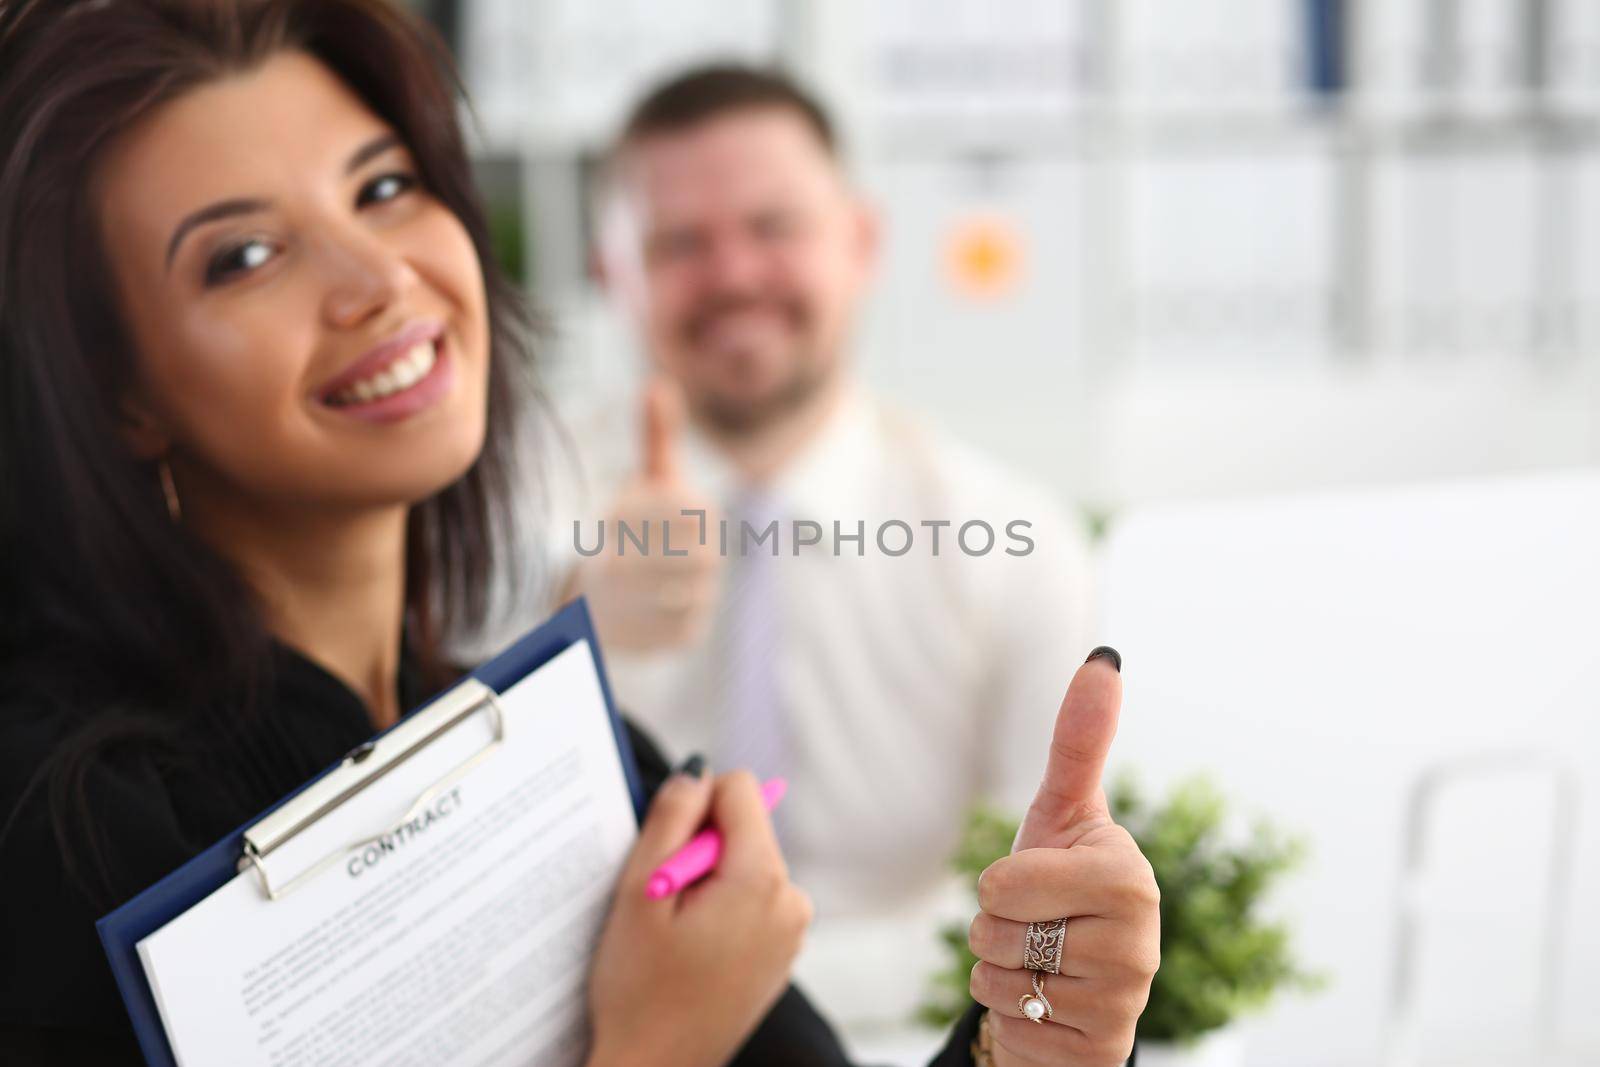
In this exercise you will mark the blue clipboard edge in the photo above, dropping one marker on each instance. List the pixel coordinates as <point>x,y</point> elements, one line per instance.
<point>122,929</point>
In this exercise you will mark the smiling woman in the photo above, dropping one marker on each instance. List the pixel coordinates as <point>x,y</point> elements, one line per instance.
<point>338,274</point>
<point>284,332</point>
<point>250,224</point>
<point>211,214</point>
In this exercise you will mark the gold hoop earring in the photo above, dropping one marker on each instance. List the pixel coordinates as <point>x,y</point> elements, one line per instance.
<point>169,489</point>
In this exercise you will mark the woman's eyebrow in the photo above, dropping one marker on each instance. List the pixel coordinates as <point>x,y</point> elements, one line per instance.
<point>227,208</point>
<point>222,209</point>
<point>372,149</point>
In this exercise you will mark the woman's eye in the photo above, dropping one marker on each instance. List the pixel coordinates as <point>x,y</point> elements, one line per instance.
<point>385,187</point>
<point>237,259</point>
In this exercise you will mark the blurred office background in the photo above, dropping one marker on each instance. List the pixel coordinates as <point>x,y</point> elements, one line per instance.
<point>1299,302</point>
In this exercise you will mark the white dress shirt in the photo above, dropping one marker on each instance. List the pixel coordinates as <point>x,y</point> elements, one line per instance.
<point>911,686</point>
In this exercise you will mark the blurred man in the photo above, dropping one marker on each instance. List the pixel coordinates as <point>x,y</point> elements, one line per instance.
<point>841,595</point>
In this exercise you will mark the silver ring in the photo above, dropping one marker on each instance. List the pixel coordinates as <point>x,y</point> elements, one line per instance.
<point>1034,1006</point>
<point>1046,942</point>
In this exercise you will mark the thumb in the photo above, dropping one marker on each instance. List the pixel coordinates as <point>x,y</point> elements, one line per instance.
<point>663,425</point>
<point>1069,799</point>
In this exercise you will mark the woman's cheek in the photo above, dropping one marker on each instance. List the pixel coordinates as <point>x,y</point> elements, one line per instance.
<point>450,261</point>
<point>254,362</point>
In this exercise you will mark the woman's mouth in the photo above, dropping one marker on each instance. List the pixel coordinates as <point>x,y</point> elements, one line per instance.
<point>401,374</point>
<point>406,378</point>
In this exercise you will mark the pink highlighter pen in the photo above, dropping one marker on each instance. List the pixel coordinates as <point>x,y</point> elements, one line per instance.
<point>699,857</point>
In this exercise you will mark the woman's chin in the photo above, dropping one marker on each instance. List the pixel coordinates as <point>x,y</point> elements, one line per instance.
<point>444,471</point>
<point>418,476</point>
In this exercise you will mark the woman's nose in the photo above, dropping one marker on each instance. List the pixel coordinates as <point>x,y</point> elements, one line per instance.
<point>364,277</point>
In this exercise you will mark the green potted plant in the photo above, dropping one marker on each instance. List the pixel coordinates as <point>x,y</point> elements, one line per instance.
<point>1220,957</point>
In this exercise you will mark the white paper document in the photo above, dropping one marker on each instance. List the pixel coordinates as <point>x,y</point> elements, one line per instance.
<point>462,936</point>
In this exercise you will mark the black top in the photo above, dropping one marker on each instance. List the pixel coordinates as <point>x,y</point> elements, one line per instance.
<point>157,804</point>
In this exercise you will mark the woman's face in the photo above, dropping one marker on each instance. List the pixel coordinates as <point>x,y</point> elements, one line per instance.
<point>309,321</point>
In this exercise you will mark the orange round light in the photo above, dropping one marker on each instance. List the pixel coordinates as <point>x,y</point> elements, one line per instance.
<point>984,256</point>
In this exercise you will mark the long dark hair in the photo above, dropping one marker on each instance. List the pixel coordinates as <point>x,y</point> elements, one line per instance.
<point>92,568</point>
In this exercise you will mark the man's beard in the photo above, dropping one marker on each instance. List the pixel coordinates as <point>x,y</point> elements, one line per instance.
<point>740,415</point>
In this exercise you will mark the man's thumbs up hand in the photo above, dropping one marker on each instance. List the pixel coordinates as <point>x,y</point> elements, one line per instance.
<point>1071,861</point>
<point>663,595</point>
<point>663,418</point>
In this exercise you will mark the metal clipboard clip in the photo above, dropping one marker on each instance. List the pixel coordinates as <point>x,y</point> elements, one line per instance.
<point>366,765</point>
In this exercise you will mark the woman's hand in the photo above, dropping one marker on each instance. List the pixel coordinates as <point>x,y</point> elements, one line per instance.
<point>682,982</point>
<point>1070,860</point>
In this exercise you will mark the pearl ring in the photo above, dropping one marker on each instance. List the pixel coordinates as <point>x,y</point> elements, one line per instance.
<point>1034,1006</point>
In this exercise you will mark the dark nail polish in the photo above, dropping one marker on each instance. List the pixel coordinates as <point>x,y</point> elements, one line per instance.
<point>694,766</point>
<point>1109,653</point>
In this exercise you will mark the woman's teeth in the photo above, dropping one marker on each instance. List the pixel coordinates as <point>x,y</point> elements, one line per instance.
<point>400,375</point>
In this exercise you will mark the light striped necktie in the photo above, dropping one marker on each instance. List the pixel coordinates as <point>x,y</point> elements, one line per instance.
<point>754,733</point>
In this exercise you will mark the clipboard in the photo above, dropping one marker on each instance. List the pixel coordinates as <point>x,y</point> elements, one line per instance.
<point>253,844</point>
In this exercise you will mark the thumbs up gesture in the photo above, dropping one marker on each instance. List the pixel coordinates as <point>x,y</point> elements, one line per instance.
<point>1070,861</point>
<point>647,600</point>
